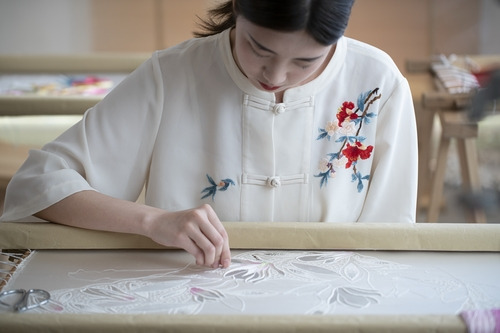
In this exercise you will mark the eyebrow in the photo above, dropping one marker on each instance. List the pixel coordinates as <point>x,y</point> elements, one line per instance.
<point>262,47</point>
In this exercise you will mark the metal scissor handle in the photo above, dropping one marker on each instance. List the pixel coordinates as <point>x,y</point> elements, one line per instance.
<point>37,297</point>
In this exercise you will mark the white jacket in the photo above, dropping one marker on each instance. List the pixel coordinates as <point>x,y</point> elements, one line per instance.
<point>190,127</point>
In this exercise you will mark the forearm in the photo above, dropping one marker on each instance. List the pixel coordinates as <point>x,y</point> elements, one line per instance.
<point>94,210</point>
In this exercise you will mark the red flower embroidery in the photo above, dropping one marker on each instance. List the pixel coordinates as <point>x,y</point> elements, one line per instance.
<point>350,119</point>
<point>346,111</point>
<point>355,152</point>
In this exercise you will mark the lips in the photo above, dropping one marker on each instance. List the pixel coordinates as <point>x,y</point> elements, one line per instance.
<point>268,88</point>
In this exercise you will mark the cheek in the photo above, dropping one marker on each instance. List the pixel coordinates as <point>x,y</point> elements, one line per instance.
<point>248,63</point>
<point>249,66</point>
<point>299,75</point>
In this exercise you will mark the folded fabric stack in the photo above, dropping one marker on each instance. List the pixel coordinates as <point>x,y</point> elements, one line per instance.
<point>55,85</point>
<point>482,321</point>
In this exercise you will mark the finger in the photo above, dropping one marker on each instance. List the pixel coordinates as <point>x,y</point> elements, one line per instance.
<point>192,228</point>
<point>190,246</point>
<point>225,257</point>
<point>217,235</point>
<point>207,248</point>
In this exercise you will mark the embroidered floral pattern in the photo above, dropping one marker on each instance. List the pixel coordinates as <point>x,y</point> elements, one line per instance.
<point>211,190</point>
<point>202,295</point>
<point>346,130</point>
<point>253,270</point>
<point>268,281</point>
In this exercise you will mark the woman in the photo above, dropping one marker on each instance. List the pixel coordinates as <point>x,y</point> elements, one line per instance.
<point>272,116</point>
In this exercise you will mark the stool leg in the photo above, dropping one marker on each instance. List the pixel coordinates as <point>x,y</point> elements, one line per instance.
<point>436,194</point>
<point>425,120</point>
<point>467,152</point>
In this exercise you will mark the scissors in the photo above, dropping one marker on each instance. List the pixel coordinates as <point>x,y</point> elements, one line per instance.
<point>24,299</point>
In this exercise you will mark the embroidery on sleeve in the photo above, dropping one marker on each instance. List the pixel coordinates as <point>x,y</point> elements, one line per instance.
<point>211,190</point>
<point>350,120</point>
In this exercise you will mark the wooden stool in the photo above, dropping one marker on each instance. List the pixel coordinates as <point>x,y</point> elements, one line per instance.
<point>449,101</point>
<point>452,113</point>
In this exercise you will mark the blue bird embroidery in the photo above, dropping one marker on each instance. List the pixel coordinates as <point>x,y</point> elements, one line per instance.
<point>211,190</point>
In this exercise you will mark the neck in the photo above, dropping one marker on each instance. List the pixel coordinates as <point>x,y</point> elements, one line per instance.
<point>279,97</point>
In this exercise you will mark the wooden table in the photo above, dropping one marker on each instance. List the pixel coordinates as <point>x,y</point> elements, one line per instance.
<point>13,155</point>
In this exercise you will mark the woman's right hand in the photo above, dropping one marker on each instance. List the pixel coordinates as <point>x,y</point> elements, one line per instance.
<point>198,231</point>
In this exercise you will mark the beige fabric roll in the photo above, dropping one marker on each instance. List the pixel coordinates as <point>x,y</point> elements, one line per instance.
<point>265,235</point>
<point>187,324</point>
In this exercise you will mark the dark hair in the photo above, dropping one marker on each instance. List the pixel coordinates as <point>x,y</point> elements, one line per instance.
<point>324,20</point>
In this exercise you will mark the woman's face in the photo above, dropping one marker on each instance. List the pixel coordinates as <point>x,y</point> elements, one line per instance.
<point>275,61</point>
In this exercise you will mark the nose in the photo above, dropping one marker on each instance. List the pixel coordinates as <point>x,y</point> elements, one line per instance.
<point>274,74</point>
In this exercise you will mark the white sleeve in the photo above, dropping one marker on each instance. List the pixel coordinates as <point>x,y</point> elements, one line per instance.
<point>109,150</point>
<point>392,195</point>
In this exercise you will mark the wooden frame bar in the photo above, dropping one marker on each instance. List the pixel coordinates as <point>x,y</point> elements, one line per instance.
<point>277,235</point>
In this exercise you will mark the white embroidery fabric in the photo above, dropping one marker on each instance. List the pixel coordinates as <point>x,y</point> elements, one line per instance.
<point>264,282</point>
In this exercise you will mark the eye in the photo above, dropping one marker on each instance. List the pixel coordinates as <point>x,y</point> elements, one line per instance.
<point>256,53</point>
<point>256,50</point>
<point>303,65</point>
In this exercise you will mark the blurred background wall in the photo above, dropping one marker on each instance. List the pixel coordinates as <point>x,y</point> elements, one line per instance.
<point>403,28</point>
